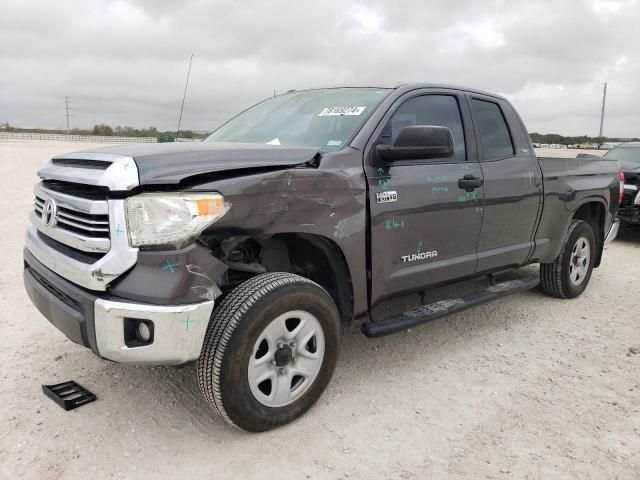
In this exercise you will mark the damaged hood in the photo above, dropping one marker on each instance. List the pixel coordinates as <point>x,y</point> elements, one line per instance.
<point>171,163</point>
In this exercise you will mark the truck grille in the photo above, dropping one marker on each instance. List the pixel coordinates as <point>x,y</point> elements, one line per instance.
<point>79,223</point>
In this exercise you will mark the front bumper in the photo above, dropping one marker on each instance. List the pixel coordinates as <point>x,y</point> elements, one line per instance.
<point>99,321</point>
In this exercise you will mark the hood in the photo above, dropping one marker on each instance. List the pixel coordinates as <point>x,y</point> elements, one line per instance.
<point>170,163</point>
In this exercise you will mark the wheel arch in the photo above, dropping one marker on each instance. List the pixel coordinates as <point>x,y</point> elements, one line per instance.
<point>322,260</point>
<point>593,211</point>
<point>312,256</point>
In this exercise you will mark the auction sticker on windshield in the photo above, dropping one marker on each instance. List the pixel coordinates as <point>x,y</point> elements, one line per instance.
<point>329,111</point>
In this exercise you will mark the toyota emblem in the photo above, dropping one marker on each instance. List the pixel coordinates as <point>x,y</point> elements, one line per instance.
<point>49,213</point>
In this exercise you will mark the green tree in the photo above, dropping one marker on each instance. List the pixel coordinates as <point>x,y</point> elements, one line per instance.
<point>103,130</point>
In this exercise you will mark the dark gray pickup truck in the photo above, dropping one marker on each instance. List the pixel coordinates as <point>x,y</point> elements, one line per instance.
<point>247,251</point>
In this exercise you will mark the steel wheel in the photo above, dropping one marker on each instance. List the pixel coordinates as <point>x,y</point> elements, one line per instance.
<point>286,358</point>
<point>580,259</point>
<point>569,273</point>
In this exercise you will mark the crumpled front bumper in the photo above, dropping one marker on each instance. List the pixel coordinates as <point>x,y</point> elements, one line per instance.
<point>100,321</point>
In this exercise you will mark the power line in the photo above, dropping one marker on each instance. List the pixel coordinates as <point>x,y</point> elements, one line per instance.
<point>183,97</point>
<point>66,109</point>
<point>604,98</point>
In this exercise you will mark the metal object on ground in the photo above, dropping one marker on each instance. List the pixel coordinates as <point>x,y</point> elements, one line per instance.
<point>68,395</point>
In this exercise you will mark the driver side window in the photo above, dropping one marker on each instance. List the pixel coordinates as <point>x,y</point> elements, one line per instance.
<point>435,110</point>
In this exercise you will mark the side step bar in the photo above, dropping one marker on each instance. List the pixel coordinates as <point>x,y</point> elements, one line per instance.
<point>427,313</point>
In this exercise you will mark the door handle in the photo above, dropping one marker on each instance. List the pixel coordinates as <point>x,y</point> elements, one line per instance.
<point>470,183</point>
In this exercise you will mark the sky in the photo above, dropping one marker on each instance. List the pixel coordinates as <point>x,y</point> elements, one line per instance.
<point>124,62</point>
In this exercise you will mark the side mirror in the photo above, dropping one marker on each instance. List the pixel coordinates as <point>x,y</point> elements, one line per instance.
<point>418,142</point>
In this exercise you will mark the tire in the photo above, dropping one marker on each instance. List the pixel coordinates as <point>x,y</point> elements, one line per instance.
<point>569,274</point>
<point>235,343</point>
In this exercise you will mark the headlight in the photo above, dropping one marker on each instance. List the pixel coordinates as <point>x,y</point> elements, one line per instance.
<point>637,200</point>
<point>171,218</point>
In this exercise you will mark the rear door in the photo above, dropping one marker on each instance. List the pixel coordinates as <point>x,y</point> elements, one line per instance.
<point>424,228</point>
<point>512,184</point>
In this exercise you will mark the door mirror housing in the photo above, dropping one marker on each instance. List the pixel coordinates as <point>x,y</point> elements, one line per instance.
<point>418,142</point>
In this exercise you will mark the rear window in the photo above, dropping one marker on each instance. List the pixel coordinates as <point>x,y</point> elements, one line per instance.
<point>494,133</point>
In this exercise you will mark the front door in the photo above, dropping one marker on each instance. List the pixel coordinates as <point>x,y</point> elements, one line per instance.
<point>424,227</point>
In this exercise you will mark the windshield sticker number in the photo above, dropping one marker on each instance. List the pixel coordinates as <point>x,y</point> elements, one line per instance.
<point>334,143</point>
<point>334,111</point>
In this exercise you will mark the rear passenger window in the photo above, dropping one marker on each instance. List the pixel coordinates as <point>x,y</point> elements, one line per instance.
<point>436,110</point>
<point>494,134</point>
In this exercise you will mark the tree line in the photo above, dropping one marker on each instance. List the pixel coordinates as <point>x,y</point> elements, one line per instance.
<point>551,138</point>
<point>105,130</point>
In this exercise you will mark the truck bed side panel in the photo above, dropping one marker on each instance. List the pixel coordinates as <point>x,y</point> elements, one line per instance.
<point>568,184</point>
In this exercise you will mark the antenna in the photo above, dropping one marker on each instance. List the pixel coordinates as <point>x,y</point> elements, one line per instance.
<point>604,98</point>
<point>183,97</point>
<point>66,109</point>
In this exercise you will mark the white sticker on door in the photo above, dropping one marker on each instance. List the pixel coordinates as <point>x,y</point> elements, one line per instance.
<point>333,111</point>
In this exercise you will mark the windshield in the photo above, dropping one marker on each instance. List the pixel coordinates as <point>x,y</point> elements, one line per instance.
<point>625,154</point>
<point>325,119</point>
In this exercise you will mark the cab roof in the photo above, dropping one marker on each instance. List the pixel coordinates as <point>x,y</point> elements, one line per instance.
<point>407,86</point>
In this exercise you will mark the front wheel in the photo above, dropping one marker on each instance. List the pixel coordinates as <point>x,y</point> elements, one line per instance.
<point>270,351</point>
<point>568,275</point>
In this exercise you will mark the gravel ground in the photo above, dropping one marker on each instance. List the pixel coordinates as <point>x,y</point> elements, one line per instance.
<point>529,387</point>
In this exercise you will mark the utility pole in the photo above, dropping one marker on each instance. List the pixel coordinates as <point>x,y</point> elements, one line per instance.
<point>604,98</point>
<point>183,97</point>
<point>67,108</point>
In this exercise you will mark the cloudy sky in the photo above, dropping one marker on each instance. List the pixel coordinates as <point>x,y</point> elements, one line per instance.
<point>124,62</point>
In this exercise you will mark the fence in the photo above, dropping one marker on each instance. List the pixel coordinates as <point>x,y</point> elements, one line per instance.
<point>82,138</point>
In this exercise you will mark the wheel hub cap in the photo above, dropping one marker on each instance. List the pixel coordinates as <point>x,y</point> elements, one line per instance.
<point>580,261</point>
<point>286,358</point>
<point>283,356</point>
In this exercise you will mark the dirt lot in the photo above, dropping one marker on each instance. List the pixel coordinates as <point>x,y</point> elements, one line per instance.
<point>530,387</point>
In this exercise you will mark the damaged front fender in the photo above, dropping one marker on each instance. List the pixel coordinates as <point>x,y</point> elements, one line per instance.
<point>188,275</point>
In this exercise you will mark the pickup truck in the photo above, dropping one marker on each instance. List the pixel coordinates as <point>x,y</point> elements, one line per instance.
<point>629,156</point>
<point>247,251</point>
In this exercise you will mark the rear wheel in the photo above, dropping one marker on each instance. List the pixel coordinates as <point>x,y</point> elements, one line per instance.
<point>568,275</point>
<point>270,350</point>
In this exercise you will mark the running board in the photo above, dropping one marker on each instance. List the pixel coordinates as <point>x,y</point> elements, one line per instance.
<point>433,311</point>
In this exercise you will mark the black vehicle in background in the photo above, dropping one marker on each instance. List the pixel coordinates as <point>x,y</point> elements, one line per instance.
<point>629,156</point>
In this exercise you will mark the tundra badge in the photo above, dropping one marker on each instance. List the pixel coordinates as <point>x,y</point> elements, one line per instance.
<point>419,256</point>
